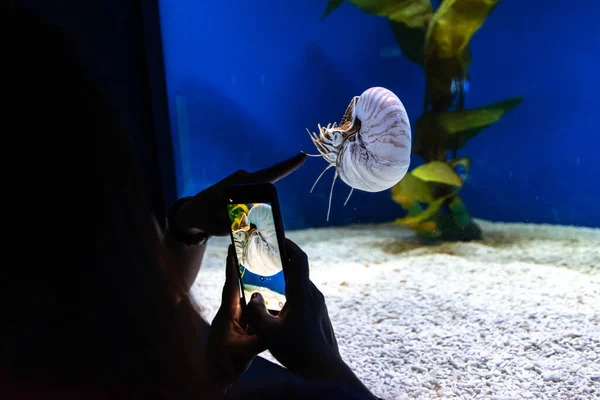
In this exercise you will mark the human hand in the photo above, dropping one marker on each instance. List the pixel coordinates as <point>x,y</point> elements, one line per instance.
<point>204,211</point>
<point>230,349</point>
<point>301,336</point>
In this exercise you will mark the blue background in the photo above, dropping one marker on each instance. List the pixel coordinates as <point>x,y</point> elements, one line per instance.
<point>246,78</point>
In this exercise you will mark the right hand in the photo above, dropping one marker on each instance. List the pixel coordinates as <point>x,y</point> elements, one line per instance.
<point>230,349</point>
<point>301,336</point>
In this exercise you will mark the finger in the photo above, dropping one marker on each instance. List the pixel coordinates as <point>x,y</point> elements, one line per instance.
<point>218,223</point>
<point>259,317</point>
<point>278,171</point>
<point>246,346</point>
<point>231,290</point>
<point>297,273</point>
<point>238,177</point>
<point>270,174</point>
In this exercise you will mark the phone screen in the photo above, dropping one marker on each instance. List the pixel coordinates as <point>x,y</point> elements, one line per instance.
<point>256,247</point>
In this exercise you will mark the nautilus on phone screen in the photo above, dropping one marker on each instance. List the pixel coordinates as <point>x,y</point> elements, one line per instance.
<point>370,148</point>
<point>256,241</point>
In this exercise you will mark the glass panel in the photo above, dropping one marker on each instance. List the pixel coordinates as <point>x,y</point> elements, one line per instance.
<point>457,269</point>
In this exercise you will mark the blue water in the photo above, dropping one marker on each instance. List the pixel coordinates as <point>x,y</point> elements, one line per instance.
<point>246,78</point>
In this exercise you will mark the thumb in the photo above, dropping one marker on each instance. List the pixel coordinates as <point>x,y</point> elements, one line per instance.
<point>246,346</point>
<point>259,318</point>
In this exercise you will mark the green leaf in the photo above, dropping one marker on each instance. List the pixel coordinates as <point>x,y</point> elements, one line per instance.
<point>458,121</point>
<point>331,6</point>
<point>411,206</point>
<point>407,18</point>
<point>425,215</point>
<point>411,188</point>
<point>469,123</point>
<point>438,171</point>
<point>412,13</point>
<point>453,25</point>
<point>410,40</point>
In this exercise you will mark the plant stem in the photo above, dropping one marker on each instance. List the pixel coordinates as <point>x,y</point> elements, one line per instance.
<point>461,107</point>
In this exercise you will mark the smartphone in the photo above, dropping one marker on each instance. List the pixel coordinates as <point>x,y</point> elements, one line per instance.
<point>257,234</point>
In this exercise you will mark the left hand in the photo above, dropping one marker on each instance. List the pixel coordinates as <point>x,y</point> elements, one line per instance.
<point>204,211</point>
<point>230,350</point>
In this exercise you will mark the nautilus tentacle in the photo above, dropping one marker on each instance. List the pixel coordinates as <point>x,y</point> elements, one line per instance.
<point>371,146</point>
<point>326,168</point>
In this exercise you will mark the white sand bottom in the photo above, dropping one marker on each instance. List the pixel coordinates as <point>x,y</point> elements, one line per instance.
<point>514,316</point>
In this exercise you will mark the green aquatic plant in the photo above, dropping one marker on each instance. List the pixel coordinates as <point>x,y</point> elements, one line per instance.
<point>437,39</point>
<point>236,213</point>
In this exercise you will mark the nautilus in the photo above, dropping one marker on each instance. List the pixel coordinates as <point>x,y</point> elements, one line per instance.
<point>256,241</point>
<point>370,148</point>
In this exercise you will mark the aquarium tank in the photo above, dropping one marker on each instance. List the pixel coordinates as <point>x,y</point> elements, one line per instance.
<point>449,203</point>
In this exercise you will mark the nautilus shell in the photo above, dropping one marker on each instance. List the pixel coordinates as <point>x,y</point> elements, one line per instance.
<point>256,242</point>
<point>370,148</point>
